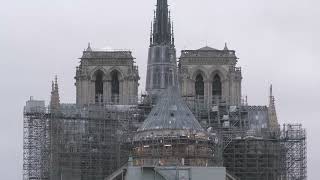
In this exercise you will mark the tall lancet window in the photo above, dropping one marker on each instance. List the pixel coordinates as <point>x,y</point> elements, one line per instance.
<point>171,78</point>
<point>157,78</point>
<point>99,87</point>
<point>115,87</point>
<point>166,77</point>
<point>216,86</point>
<point>199,86</point>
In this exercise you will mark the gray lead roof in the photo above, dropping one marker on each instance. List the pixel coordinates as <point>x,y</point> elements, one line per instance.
<point>171,113</point>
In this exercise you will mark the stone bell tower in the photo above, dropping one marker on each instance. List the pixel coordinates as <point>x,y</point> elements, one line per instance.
<point>107,77</point>
<point>211,75</point>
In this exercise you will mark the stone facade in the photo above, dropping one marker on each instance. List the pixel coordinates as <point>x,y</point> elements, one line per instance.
<point>212,74</point>
<point>107,77</point>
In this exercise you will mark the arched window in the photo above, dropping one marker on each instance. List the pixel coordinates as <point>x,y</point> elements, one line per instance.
<point>115,86</point>
<point>216,86</point>
<point>99,86</point>
<point>199,86</point>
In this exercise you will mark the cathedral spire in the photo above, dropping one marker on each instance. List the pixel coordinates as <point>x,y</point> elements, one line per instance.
<point>89,47</point>
<point>55,98</point>
<point>151,34</point>
<point>225,47</point>
<point>56,87</point>
<point>172,34</point>
<point>162,61</point>
<point>52,87</point>
<point>162,25</point>
<point>272,113</point>
<point>271,97</point>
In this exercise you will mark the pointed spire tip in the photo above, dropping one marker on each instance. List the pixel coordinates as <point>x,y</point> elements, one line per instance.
<point>89,47</point>
<point>225,46</point>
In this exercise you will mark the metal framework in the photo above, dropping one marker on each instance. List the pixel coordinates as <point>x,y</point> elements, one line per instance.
<point>174,151</point>
<point>77,143</point>
<point>35,145</point>
<point>253,158</point>
<point>87,143</point>
<point>253,153</point>
<point>294,151</point>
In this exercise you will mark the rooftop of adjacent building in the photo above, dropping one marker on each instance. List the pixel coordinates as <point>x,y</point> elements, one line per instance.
<point>106,53</point>
<point>208,51</point>
<point>207,48</point>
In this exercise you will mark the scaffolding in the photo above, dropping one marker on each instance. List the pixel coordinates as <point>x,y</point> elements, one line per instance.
<point>173,150</point>
<point>216,113</point>
<point>293,139</point>
<point>91,142</point>
<point>77,143</point>
<point>250,150</point>
<point>88,146</point>
<point>252,158</point>
<point>35,145</point>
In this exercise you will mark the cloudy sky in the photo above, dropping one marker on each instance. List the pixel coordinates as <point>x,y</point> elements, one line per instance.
<point>277,42</point>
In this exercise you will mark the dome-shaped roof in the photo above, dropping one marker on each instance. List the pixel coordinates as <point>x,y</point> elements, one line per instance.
<point>171,113</point>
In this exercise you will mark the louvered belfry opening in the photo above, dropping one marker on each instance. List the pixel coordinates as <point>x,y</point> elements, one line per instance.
<point>216,86</point>
<point>115,87</point>
<point>99,87</point>
<point>199,86</point>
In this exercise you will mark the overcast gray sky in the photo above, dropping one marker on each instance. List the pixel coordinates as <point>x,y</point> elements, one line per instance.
<point>277,41</point>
